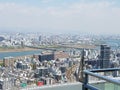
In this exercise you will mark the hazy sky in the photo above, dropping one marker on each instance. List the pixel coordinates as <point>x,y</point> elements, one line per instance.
<point>91,16</point>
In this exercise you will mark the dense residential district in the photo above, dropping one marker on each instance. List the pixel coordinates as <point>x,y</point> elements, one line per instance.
<point>59,59</point>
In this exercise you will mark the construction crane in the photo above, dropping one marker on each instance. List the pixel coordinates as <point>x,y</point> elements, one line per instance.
<point>70,73</point>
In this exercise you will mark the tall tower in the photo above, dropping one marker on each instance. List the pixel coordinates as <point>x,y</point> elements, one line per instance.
<point>104,56</point>
<point>40,38</point>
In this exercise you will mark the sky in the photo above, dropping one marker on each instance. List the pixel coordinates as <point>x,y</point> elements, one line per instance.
<point>63,16</point>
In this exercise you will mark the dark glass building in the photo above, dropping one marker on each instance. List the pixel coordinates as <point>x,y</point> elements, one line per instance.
<point>104,56</point>
<point>47,57</point>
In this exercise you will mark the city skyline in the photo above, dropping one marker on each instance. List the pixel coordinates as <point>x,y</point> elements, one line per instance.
<point>78,16</point>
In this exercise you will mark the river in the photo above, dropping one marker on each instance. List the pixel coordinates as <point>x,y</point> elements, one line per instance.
<point>17,54</point>
<point>112,43</point>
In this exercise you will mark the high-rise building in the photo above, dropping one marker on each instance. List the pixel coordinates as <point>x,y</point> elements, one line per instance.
<point>104,56</point>
<point>40,38</point>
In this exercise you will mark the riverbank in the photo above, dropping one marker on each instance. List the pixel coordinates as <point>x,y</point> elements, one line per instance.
<point>16,49</point>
